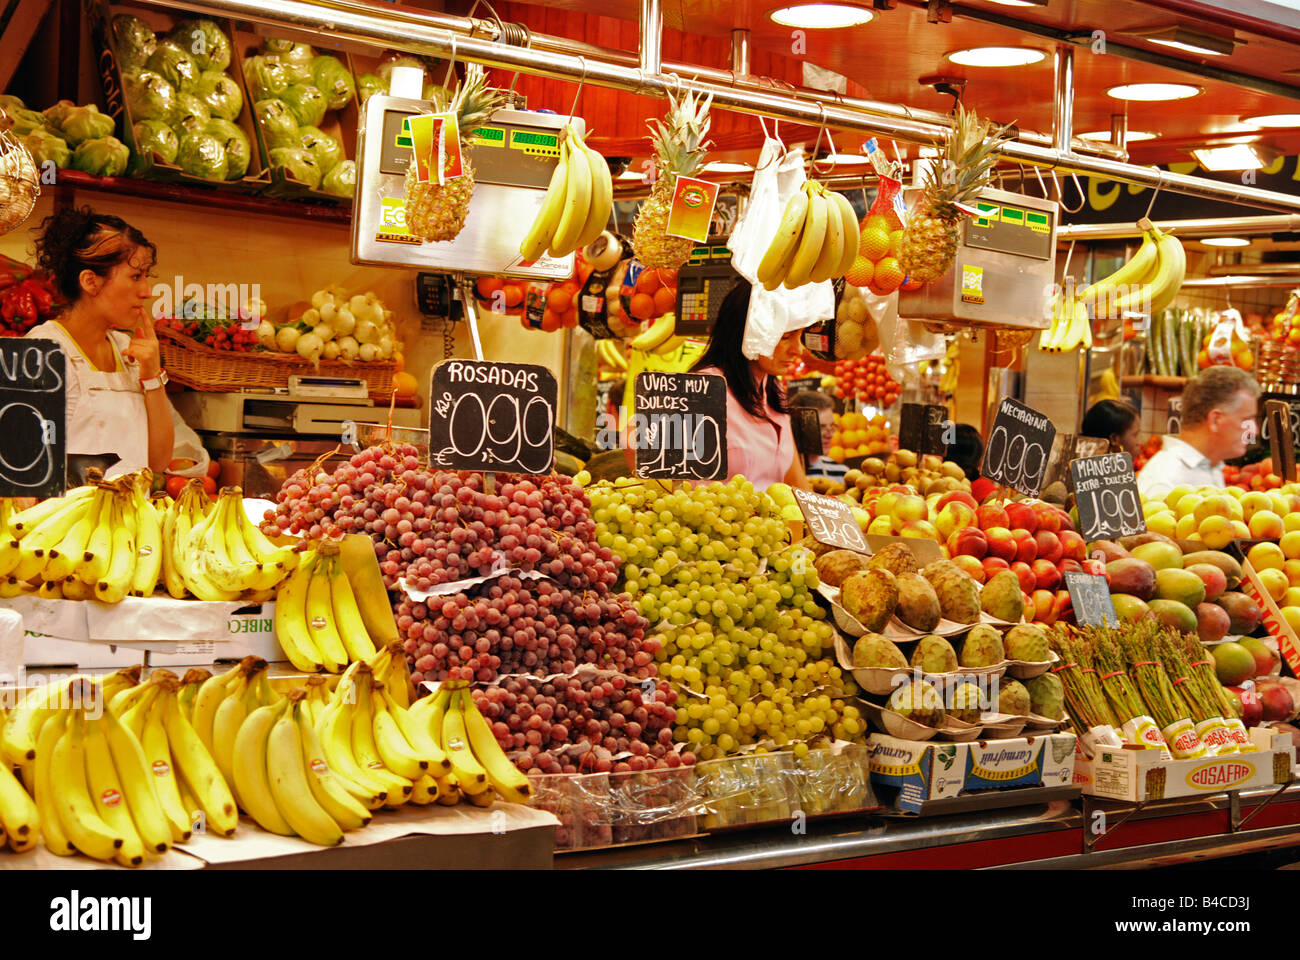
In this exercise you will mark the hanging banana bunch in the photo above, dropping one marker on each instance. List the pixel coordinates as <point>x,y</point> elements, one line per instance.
<point>577,203</point>
<point>817,240</point>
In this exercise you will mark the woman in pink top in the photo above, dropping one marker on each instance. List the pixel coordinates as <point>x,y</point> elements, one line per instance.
<point>760,442</point>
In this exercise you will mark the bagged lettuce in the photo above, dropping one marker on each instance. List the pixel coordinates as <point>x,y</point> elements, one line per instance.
<point>134,40</point>
<point>154,136</point>
<point>299,163</point>
<point>205,41</point>
<point>175,66</point>
<point>390,60</point>
<point>369,84</point>
<point>8,103</point>
<point>102,156</point>
<point>220,93</point>
<point>306,102</point>
<point>85,123</point>
<point>324,149</point>
<point>148,95</point>
<point>267,77</point>
<point>334,80</point>
<point>45,146</point>
<point>279,126</point>
<point>202,155</point>
<point>342,180</point>
<point>235,144</point>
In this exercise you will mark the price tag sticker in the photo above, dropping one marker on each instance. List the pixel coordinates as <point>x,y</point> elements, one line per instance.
<point>1017,447</point>
<point>492,416</point>
<point>679,426</point>
<point>1106,493</point>
<point>831,521</point>
<point>1090,598</point>
<point>33,412</point>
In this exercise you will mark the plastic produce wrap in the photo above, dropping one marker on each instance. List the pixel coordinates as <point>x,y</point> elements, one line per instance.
<point>601,809</point>
<point>905,343</point>
<point>758,788</point>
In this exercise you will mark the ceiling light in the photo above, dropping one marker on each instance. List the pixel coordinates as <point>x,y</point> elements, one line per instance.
<point>997,56</point>
<point>1273,120</point>
<point>843,159</point>
<point>1226,242</point>
<point>1180,38</point>
<point>726,166</point>
<point>628,175</point>
<point>1020,3</point>
<point>1236,156</point>
<point>1129,137</point>
<point>1154,91</point>
<point>822,16</point>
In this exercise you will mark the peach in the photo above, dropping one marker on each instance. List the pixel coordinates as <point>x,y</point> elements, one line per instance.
<point>1067,522</point>
<point>970,565</point>
<point>992,515</point>
<point>1095,567</point>
<point>1240,531</point>
<point>1292,570</point>
<point>1291,598</point>
<point>1049,546</point>
<point>1021,516</point>
<point>1290,544</point>
<point>1216,532</point>
<point>1072,545</point>
<point>1001,543</point>
<point>1026,546</point>
<point>1045,610</point>
<point>1292,616</point>
<point>1028,582</point>
<point>1274,582</point>
<point>910,507</point>
<point>1048,576</point>
<point>954,516</point>
<point>882,526</point>
<point>958,496</point>
<point>969,541</point>
<point>920,530</point>
<point>1266,556</point>
<point>1165,523</point>
<point>1266,525</point>
<point>1254,502</point>
<point>1049,517</point>
<point>1069,565</point>
<point>994,565</point>
<point>1217,505</point>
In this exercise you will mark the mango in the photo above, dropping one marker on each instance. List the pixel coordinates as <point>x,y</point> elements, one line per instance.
<point>1181,585</point>
<point>1160,555</point>
<point>1133,576</point>
<point>1129,608</point>
<point>1174,614</point>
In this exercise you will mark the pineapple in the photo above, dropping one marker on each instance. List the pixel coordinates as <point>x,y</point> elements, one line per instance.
<point>437,211</point>
<point>679,146</point>
<point>929,243</point>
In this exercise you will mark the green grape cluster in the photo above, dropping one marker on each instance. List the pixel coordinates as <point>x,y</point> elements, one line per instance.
<point>742,636</point>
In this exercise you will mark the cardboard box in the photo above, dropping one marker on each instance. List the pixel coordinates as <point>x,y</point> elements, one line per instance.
<point>1120,773</point>
<point>928,770</point>
<point>1288,644</point>
<point>186,632</point>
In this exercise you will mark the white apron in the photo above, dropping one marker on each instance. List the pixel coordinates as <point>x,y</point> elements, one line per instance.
<point>106,412</point>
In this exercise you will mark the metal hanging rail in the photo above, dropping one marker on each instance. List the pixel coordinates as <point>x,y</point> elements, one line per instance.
<point>374,28</point>
<point>1204,227</point>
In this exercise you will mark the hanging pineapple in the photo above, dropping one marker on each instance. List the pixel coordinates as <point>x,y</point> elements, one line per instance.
<point>437,211</point>
<point>929,243</point>
<point>679,146</point>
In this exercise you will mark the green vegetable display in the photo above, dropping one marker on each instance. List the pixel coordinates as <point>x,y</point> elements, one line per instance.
<point>85,123</point>
<point>334,80</point>
<point>279,126</point>
<point>299,163</point>
<point>154,136</point>
<point>266,77</point>
<point>369,84</point>
<point>202,155</point>
<point>45,146</point>
<point>324,149</point>
<point>221,94</point>
<point>189,114</point>
<point>148,95</point>
<point>134,40</point>
<point>175,65</point>
<point>306,102</point>
<point>342,180</point>
<point>102,156</point>
<point>233,141</point>
<point>205,41</point>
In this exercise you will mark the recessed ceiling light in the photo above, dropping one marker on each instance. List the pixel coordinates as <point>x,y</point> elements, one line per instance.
<point>1226,242</point>
<point>1154,91</point>
<point>822,16</point>
<point>843,159</point>
<point>1190,41</point>
<point>1129,137</point>
<point>997,56</point>
<point>1020,3</point>
<point>1273,120</point>
<point>1236,156</point>
<point>726,166</point>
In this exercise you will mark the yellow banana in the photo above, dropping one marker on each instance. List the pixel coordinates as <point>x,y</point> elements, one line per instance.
<point>40,545</point>
<point>810,243</point>
<point>350,626</point>
<point>72,548</point>
<point>577,203</point>
<point>334,732</point>
<point>250,777</point>
<point>18,812</point>
<point>395,752</point>
<point>470,775</point>
<point>291,619</point>
<point>249,573</point>
<point>320,618</point>
<point>780,252</point>
<point>542,232</point>
<point>137,784</point>
<point>172,578</point>
<point>109,797</point>
<point>448,791</point>
<point>365,750</point>
<point>192,551</point>
<point>327,788</point>
<point>148,547</point>
<point>25,521</point>
<point>358,560</point>
<point>1173,266</point>
<point>116,581</point>
<point>208,698</point>
<point>56,838</point>
<point>602,195</point>
<point>70,795</point>
<point>293,797</point>
<point>659,331</point>
<point>849,223</point>
<point>508,780</point>
<point>832,250</point>
<point>157,753</point>
<point>199,770</point>
<point>225,727</point>
<point>425,791</point>
<point>1136,270</point>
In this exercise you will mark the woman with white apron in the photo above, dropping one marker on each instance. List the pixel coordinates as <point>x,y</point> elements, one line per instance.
<point>116,405</point>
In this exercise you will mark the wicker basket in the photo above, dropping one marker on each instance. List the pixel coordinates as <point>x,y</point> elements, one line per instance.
<point>200,367</point>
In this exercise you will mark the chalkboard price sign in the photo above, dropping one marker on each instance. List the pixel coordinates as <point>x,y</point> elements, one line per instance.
<point>33,412</point>
<point>492,416</point>
<point>1017,448</point>
<point>1106,494</point>
<point>1090,598</point>
<point>679,426</point>
<point>921,428</point>
<point>831,521</point>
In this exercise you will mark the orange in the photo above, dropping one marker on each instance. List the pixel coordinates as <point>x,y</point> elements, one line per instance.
<point>665,299</point>
<point>214,469</point>
<point>888,274</point>
<point>550,321</point>
<point>1245,360</point>
<point>209,486</point>
<point>1203,359</point>
<point>912,285</point>
<point>570,317</point>
<point>558,299</point>
<point>487,286</point>
<point>514,294</point>
<point>641,306</point>
<point>648,281</point>
<point>404,385</point>
<point>861,272</point>
<point>873,243</point>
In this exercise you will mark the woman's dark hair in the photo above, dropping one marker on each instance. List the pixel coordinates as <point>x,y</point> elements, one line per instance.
<point>1108,418</point>
<point>724,353</point>
<point>966,450</point>
<point>77,239</point>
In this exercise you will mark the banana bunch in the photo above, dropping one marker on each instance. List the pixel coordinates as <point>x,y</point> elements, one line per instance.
<point>333,607</point>
<point>817,240</point>
<point>1071,326</point>
<point>659,338</point>
<point>478,764</point>
<point>611,357</point>
<point>948,382</point>
<point>1148,282</point>
<point>212,551</point>
<point>577,204</point>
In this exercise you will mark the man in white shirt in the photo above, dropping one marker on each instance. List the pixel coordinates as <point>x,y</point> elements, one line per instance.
<point>1219,410</point>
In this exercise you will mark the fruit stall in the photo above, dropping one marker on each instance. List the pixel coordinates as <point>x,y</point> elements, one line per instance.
<point>467,325</point>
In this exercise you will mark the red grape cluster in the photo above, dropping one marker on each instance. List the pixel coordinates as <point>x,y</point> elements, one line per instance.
<point>588,722</point>
<point>514,626</point>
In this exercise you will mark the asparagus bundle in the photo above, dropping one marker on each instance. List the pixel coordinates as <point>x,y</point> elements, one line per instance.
<point>1142,646</point>
<point>1202,668</point>
<point>1109,658</point>
<point>1078,677</point>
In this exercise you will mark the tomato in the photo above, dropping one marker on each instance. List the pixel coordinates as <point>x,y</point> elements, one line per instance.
<point>209,486</point>
<point>174,486</point>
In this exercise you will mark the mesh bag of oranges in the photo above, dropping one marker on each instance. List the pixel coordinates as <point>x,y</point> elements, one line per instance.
<point>647,293</point>
<point>876,266</point>
<point>1227,344</point>
<point>538,305</point>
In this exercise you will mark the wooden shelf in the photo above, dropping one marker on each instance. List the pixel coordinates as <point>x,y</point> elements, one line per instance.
<point>73,180</point>
<point>1151,380</point>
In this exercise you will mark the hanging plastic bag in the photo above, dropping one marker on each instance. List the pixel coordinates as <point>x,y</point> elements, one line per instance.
<point>904,343</point>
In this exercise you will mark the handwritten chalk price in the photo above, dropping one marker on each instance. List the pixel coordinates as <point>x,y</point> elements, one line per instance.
<point>493,416</point>
<point>33,405</point>
<point>679,426</point>
<point>831,521</point>
<point>1016,452</point>
<point>1106,493</point>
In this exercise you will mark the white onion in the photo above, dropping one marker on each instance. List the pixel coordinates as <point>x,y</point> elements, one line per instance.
<point>310,317</point>
<point>310,347</point>
<point>328,311</point>
<point>324,331</point>
<point>286,338</point>
<point>320,297</point>
<point>385,347</point>
<point>369,352</point>
<point>357,304</point>
<point>366,332</point>
<point>266,334</point>
<point>344,322</point>
<point>331,351</point>
<point>348,348</point>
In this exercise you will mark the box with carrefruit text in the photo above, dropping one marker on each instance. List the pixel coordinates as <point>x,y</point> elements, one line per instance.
<point>927,771</point>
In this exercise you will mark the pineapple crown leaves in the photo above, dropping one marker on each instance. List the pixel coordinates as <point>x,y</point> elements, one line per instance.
<point>968,156</point>
<point>474,101</point>
<point>678,139</point>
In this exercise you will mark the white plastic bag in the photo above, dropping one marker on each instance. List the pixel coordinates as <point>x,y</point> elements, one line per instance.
<point>187,446</point>
<point>904,343</point>
<point>773,313</point>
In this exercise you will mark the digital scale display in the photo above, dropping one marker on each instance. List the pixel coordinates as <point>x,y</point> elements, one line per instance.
<point>702,284</point>
<point>1011,229</point>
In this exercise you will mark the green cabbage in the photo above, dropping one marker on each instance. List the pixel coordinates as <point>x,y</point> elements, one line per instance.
<point>102,156</point>
<point>279,126</point>
<point>55,112</point>
<point>298,163</point>
<point>190,115</point>
<point>368,84</point>
<point>176,66</point>
<point>325,150</point>
<point>334,80</point>
<point>29,121</point>
<point>266,77</point>
<point>235,144</point>
<point>221,94</point>
<point>148,95</point>
<point>342,180</point>
<point>205,41</point>
<point>85,123</point>
<point>10,103</point>
<point>306,102</point>
<point>134,40</point>
<point>45,146</point>
<point>202,155</point>
<point>291,52</point>
<point>154,136</point>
